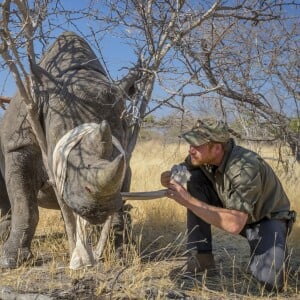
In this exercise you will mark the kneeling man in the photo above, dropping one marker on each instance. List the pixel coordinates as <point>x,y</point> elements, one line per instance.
<point>235,190</point>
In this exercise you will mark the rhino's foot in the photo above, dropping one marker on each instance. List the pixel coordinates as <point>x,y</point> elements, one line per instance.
<point>13,261</point>
<point>121,232</point>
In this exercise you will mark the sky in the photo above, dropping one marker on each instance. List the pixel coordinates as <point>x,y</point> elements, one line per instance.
<point>116,53</point>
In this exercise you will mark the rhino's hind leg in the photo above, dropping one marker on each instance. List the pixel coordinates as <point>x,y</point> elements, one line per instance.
<point>22,183</point>
<point>5,212</point>
<point>122,223</point>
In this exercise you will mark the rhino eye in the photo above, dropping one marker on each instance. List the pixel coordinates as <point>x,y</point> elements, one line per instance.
<point>88,189</point>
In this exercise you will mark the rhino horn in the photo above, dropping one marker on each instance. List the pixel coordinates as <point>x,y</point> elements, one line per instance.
<point>110,177</point>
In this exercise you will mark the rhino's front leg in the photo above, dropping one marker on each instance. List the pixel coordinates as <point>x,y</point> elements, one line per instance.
<point>22,181</point>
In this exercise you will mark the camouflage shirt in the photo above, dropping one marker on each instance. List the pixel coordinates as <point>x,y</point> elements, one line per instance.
<point>245,182</point>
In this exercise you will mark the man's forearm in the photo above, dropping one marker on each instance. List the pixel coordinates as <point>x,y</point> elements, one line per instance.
<point>230,220</point>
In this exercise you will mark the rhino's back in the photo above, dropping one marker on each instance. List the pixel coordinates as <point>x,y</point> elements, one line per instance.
<point>67,52</point>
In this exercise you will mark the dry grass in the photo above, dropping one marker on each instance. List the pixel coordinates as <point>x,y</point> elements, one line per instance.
<point>145,272</point>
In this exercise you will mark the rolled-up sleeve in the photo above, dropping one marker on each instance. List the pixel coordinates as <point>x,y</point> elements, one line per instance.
<point>244,191</point>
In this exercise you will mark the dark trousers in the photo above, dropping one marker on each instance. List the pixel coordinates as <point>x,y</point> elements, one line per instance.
<point>266,238</point>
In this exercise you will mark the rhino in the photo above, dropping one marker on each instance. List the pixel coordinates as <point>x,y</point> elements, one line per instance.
<point>73,94</point>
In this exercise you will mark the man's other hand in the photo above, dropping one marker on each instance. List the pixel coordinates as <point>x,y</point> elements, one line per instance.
<point>165,178</point>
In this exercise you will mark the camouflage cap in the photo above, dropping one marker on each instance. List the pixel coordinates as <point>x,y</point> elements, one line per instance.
<point>207,130</point>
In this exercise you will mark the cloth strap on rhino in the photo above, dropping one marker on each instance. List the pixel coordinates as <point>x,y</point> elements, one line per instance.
<point>64,147</point>
<point>82,254</point>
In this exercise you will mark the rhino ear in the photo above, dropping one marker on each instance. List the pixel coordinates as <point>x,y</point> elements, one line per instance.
<point>42,77</point>
<point>127,85</point>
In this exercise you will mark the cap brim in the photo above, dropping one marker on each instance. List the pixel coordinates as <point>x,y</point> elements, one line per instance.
<point>194,138</point>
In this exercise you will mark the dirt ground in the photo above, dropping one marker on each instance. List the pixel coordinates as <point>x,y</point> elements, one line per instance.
<point>152,275</point>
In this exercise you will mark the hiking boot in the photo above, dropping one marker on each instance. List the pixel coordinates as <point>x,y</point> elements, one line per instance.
<point>200,262</point>
<point>197,264</point>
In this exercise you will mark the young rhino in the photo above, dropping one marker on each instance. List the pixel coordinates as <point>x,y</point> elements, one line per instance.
<point>79,110</point>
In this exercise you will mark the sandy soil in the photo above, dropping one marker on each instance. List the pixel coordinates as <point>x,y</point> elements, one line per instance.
<point>154,275</point>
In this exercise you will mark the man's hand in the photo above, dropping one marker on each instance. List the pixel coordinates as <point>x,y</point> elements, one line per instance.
<point>165,178</point>
<point>178,193</point>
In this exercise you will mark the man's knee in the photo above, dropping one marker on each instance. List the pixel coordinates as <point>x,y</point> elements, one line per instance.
<point>271,280</point>
<point>268,268</point>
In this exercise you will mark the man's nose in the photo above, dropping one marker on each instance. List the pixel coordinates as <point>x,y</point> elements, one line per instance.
<point>192,149</point>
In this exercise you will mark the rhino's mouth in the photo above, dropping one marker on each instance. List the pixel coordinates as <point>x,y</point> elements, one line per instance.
<point>97,213</point>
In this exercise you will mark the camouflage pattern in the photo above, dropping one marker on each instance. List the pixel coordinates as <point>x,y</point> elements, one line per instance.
<point>207,130</point>
<point>245,182</point>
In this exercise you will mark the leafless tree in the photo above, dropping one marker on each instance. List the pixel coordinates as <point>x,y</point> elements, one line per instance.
<point>4,100</point>
<point>243,54</point>
<point>251,55</point>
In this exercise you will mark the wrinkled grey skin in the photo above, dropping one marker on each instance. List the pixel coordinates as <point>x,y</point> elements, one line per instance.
<point>77,91</point>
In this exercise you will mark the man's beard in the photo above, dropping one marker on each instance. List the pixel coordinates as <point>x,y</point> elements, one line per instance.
<point>195,162</point>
